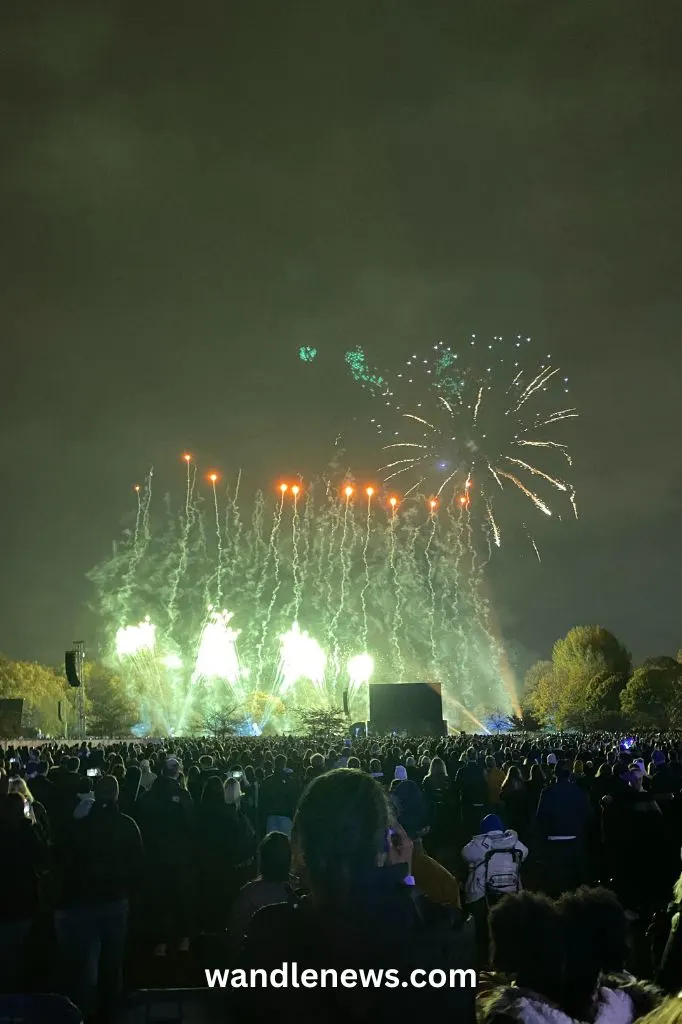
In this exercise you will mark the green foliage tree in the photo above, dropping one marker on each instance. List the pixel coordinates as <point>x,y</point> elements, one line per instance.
<point>110,709</point>
<point>322,722</point>
<point>653,698</point>
<point>221,724</point>
<point>525,722</point>
<point>601,707</point>
<point>591,649</point>
<point>540,691</point>
<point>564,691</point>
<point>41,688</point>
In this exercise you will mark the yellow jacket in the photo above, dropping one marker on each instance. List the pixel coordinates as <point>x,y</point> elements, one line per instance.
<point>433,880</point>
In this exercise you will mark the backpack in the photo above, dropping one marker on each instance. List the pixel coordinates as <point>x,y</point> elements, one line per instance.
<point>499,883</point>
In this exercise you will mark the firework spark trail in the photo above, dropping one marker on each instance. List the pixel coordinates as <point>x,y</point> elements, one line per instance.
<point>331,574</point>
<point>136,538</point>
<point>557,417</point>
<point>198,518</point>
<point>493,523</point>
<point>147,505</point>
<point>478,403</point>
<point>273,557</point>
<point>365,563</point>
<point>538,502</point>
<point>295,559</point>
<point>559,484</point>
<point>432,589</point>
<point>462,677</point>
<point>184,539</point>
<point>573,504</point>
<point>213,477</point>
<point>343,557</point>
<point>307,520</point>
<point>397,617</point>
<point>562,448</point>
<point>233,530</point>
<point>546,374</point>
<point>142,524</point>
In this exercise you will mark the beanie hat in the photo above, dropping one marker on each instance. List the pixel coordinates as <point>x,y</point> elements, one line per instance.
<point>491,823</point>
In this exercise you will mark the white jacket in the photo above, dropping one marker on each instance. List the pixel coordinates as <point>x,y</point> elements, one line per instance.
<point>501,869</point>
<point>84,805</point>
<point>612,1007</point>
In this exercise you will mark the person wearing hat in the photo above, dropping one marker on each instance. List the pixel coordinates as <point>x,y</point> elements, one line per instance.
<point>494,857</point>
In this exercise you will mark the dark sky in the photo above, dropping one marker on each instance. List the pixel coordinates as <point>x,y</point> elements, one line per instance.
<point>190,191</point>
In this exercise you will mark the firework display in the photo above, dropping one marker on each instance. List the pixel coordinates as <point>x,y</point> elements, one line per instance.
<point>297,598</point>
<point>288,601</point>
<point>472,425</point>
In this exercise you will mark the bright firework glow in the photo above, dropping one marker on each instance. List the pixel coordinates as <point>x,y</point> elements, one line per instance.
<point>360,670</point>
<point>217,657</point>
<point>130,640</point>
<point>301,657</point>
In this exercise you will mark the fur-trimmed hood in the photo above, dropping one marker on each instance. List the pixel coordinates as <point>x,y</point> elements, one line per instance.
<point>620,1005</point>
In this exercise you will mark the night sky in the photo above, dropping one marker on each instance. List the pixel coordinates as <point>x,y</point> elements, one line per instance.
<point>189,192</point>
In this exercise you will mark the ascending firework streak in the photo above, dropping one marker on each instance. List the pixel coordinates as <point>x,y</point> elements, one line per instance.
<point>138,547</point>
<point>181,564</point>
<point>365,587</point>
<point>433,506</point>
<point>295,490</point>
<point>397,620</point>
<point>330,571</point>
<point>213,477</point>
<point>273,555</point>
<point>348,494</point>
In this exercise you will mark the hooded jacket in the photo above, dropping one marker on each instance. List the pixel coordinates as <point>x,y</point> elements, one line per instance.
<point>621,1001</point>
<point>490,858</point>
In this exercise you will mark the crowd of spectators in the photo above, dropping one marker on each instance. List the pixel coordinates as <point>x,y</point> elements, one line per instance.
<point>549,863</point>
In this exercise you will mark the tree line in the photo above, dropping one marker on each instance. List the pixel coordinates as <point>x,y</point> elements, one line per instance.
<point>50,703</point>
<point>590,683</point>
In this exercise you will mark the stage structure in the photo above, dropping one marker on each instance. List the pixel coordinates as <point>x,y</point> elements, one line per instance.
<point>415,709</point>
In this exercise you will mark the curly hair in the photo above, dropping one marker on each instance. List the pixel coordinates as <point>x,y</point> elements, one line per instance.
<point>526,942</point>
<point>594,930</point>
